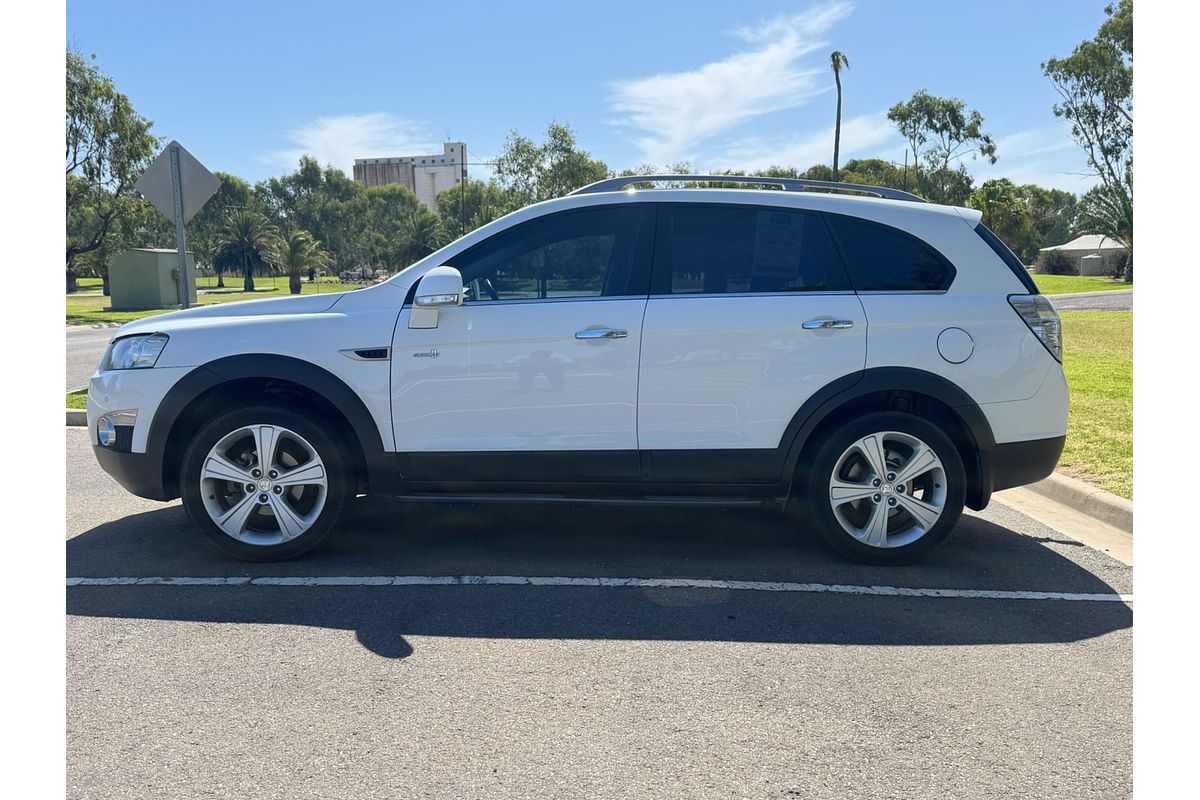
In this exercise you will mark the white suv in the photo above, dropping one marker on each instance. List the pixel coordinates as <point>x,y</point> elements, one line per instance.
<point>879,361</point>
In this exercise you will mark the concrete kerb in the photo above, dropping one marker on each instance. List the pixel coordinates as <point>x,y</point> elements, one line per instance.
<point>76,417</point>
<point>1089,295</point>
<point>1087,499</point>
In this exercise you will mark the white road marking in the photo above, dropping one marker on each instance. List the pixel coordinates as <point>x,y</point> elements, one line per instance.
<point>640,583</point>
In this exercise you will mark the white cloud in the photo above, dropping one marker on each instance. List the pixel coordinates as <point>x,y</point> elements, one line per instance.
<point>1046,156</point>
<point>860,135</point>
<point>677,112</point>
<point>339,140</point>
<point>1043,172</point>
<point>1035,141</point>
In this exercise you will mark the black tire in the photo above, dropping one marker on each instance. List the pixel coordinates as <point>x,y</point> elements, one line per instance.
<point>828,449</point>
<point>324,440</point>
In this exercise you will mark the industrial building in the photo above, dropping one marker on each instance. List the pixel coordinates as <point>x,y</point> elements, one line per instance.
<point>424,175</point>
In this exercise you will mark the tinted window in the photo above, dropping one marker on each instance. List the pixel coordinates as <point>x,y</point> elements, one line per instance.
<point>885,259</point>
<point>585,253</point>
<point>723,249</point>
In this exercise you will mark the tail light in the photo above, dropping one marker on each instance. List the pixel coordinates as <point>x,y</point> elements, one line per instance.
<point>1041,318</point>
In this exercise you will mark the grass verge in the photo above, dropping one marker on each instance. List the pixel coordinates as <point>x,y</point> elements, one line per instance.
<point>1098,359</point>
<point>1072,284</point>
<point>77,399</point>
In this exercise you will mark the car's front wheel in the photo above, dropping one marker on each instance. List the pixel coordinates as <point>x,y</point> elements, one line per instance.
<point>265,483</point>
<point>886,487</point>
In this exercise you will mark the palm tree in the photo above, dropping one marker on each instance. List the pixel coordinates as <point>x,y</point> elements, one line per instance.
<point>1109,211</point>
<point>247,242</point>
<point>299,253</point>
<point>837,60</point>
<point>424,234</point>
<point>997,201</point>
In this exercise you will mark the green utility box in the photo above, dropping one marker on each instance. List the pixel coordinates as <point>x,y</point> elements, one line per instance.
<point>143,278</point>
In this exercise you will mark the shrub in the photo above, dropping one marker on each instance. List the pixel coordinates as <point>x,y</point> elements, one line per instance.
<point>1116,270</point>
<point>1055,262</point>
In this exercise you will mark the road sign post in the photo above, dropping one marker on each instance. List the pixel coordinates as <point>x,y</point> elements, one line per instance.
<point>185,281</point>
<point>178,185</point>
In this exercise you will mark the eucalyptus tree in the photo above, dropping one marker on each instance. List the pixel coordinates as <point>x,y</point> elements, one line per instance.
<point>108,145</point>
<point>1095,87</point>
<point>941,132</point>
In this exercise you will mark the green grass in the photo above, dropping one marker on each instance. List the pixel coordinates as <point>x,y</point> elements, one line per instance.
<point>1098,359</point>
<point>1071,284</point>
<point>77,399</point>
<point>89,306</point>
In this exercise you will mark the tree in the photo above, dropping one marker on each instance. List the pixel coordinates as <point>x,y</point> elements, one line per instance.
<point>298,253</point>
<point>998,201</point>
<point>424,235</point>
<point>325,202</point>
<point>108,145</point>
<point>386,230</point>
<point>1109,213</point>
<point>1052,213</point>
<point>951,132</point>
<point>204,229</point>
<point>1004,212</point>
<point>837,61</point>
<point>529,173</point>
<point>1095,86</point>
<point>471,204</point>
<point>247,242</point>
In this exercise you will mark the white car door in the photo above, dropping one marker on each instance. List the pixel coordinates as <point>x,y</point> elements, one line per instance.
<point>750,314</point>
<point>535,376</point>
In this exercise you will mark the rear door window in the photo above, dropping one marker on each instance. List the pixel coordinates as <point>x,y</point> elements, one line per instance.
<point>719,249</point>
<point>881,258</point>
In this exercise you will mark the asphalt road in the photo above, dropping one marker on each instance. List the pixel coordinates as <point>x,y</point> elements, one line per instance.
<point>564,691</point>
<point>1116,300</point>
<point>85,345</point>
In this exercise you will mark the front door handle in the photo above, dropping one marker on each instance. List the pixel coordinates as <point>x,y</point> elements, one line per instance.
<point>601,333</point>
<point>826,324</point>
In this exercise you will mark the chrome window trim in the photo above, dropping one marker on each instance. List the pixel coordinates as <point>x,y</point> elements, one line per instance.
<point>903,291</point>
<point>835,292</point>
<point>530,300</point>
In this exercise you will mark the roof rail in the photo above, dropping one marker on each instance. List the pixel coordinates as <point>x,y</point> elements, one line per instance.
<point>785,184</point>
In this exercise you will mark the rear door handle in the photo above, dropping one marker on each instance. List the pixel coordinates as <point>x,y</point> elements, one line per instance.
<point>602,333</point>
<point>825,324</point>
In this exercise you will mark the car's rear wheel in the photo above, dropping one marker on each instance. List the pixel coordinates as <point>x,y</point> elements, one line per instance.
<point>885,488</point>
<point>265,483</point>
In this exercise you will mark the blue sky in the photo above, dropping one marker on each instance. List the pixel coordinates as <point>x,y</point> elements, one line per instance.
<point>249,86</point>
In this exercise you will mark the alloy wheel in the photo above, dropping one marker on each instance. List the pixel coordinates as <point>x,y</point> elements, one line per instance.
<point>888,489</point>
<point>263,484</point>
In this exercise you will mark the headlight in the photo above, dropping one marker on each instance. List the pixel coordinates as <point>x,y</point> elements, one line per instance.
<point>135,352</point>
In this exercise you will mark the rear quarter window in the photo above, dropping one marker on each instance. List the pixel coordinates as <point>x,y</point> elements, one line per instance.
<point>881,258</point>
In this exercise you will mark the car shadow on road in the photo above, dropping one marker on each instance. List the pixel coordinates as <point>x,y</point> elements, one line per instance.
<point>382,537</point>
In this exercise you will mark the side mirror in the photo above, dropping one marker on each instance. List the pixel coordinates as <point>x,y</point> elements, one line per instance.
<point>441,287</point>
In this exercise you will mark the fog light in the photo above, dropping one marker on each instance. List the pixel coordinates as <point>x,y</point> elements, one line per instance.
<point>106,432</point>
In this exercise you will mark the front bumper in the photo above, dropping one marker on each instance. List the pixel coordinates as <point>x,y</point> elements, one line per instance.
<point>140,473</point>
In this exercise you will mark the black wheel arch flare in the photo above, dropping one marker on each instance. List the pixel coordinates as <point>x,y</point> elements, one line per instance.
<point>899,382</point>
<point>380,465</point>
